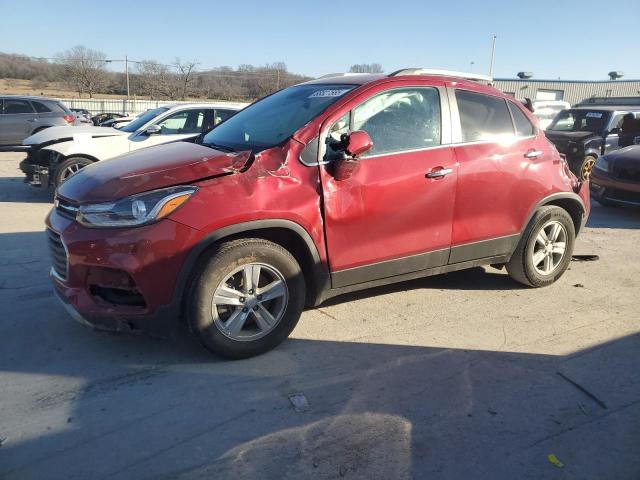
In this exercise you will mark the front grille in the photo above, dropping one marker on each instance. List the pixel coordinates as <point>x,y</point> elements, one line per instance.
<point>58,254</point>
<point>627,174</point>
<point>65,208</point>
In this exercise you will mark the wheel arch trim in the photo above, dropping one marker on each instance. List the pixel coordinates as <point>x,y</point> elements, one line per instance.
<point>558,199</point>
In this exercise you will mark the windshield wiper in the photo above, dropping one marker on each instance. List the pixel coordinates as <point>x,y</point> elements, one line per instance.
<point>216,146</point>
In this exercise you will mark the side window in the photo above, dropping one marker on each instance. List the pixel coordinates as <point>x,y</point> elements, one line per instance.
<point>40,107</point>
<point>482,117</point>
<point>16,106</point>
<point>222,115</point>
<point>400,119</point>
<point>1,106</point>
<point>524,128</point>
<point>187,121</point>
<point>334,136</point>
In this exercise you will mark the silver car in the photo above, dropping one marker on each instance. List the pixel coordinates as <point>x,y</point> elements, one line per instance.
<point>21,117</point>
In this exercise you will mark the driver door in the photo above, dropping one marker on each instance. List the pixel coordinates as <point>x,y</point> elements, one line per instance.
<point>394,214</point>
<point>176,126</point>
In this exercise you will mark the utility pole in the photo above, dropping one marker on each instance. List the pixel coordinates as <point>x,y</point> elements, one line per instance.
<point>493,54</point>
<point>126,70</point>
<point>472,63</point>
<point>278,79</point>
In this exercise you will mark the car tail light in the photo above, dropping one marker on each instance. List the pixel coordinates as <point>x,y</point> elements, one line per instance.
<point>69,118</point>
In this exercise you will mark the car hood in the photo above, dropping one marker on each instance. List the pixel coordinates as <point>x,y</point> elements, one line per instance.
<point>573,136</point>
<point>151,168</point>
<point>625,157</point>
<point>60,134</point>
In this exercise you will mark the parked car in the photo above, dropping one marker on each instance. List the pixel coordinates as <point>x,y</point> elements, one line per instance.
<point>55,154</point>
<point>21,117</point>
<point>326,187</point>
<point>615,180</point>
<point>121,121</point>
<point>103,117</point>
<point>546,110</point>
<point>82,115</point>
<point>586,132</point>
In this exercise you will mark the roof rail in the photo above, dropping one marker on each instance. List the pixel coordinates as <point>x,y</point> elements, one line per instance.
<point>448,73</point>
<point>343,74</point>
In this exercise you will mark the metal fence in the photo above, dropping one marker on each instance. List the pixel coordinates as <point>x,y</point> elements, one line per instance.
<point>124,106</point>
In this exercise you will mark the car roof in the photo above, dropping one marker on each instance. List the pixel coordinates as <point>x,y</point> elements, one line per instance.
<point>609,108</point>
<point>28,97</point>
<point>178,106</point>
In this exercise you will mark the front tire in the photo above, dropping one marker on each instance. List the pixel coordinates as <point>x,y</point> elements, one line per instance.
<point>586,167</point>
<point>247,298</point>
<point>69,167</point>
<point>545,249</point>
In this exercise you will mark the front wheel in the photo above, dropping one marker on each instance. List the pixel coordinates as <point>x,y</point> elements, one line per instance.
<point>586,167</point>
<point>247,298</point>
<point>69,167</point>
<point>545,249</point>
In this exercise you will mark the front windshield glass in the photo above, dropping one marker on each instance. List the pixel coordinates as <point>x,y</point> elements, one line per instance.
<point>273,119</point>
<point>579,121</point>
<point>142,119</point>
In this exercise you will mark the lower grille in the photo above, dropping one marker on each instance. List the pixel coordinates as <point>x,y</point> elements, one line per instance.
<point>58,254</point>
<point>627,174</point>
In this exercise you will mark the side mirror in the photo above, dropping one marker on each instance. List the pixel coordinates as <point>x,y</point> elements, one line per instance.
<point>355,144</point>
<point>358,143</point>
<point>153,130</point>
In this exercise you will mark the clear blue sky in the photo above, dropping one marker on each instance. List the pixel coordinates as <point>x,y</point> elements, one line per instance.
<point>559,38</point>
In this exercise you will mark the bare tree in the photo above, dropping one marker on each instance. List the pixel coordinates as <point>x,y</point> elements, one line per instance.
<point>366,68</point>
<point>156,80</point>
<point>84,68</point>
<point>185,75</point>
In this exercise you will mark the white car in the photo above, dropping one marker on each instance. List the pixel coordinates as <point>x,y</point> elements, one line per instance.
<point>546,110</point>
<point>58,152</point>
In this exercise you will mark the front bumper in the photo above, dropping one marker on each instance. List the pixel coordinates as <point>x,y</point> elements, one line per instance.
<point>36,169</point>
<point>606,188</point>
<point>145,262</point>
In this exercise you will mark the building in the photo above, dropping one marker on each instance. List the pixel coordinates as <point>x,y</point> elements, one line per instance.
<point>572,91</point>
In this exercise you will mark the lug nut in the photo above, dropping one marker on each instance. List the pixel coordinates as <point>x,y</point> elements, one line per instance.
<point>241,299</point>
<point>255,309</point>
<point>245,310</point>
<point>250,292</point>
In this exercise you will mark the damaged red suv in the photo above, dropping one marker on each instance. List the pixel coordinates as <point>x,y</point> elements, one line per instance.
<point>326,187</point>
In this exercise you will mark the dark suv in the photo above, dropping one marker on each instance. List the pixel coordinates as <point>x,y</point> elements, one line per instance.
<point>586,132</point>
<point>21,117</point>
<point>326,187</point>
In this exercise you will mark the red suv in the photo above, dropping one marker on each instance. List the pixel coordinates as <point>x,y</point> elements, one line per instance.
<point>326,187</point>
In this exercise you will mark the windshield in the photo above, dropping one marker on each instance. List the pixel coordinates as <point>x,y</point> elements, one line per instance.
<point>273,119</point>
<point>579,121</point>
<point>142,119</point>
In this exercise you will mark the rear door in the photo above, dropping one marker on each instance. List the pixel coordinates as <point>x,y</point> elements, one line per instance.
<point>390,217</point>
<point>18,120</point>
<point>499,155</point>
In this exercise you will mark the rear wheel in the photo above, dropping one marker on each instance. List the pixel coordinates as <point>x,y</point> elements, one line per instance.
<point>247,299</point>
<point>586,167</point>
<point>69,167</point>
<point>545,249</point>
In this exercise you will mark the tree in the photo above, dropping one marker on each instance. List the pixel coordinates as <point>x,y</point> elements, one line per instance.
<point>185,75</point>
<point>156,80</point>
<point>366,68</point>
<point>84,69</point>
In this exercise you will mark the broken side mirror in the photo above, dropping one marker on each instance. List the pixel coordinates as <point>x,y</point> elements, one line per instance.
<point>153,130</point>
<point>355,144</point>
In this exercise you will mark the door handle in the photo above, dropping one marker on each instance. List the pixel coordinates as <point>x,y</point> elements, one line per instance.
<point>439,172</point>
<point>533,154</point>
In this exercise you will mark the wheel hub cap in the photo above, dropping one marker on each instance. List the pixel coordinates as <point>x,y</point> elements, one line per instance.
<point>250,302</point>
<point>549,248</point>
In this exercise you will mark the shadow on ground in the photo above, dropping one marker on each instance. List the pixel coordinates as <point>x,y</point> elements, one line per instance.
<point>14,190</point>
<point>613,217</point>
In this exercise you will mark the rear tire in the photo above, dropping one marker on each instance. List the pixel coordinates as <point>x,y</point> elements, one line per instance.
<point>69,167</point>
<point>544,251</point>
<point>247,298</point>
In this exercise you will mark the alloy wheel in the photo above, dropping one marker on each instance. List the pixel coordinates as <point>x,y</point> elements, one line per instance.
<point>250,302</point>
<point>587,167</point>
<point>549,247</point>
<point>70,170</point>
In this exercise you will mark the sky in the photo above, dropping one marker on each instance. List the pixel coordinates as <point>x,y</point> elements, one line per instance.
<point>553,39</point>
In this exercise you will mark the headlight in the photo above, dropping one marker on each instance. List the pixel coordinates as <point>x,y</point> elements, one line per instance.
<point>136,210</point>
<point>602,164</point>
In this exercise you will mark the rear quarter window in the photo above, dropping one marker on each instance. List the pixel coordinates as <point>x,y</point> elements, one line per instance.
<point>40,107</point>
<point>483,117</point>
<point>524,128</point>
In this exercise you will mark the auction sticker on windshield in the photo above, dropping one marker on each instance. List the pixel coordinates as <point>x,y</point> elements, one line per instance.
<point>594,115</point>
<point>329,93</point>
